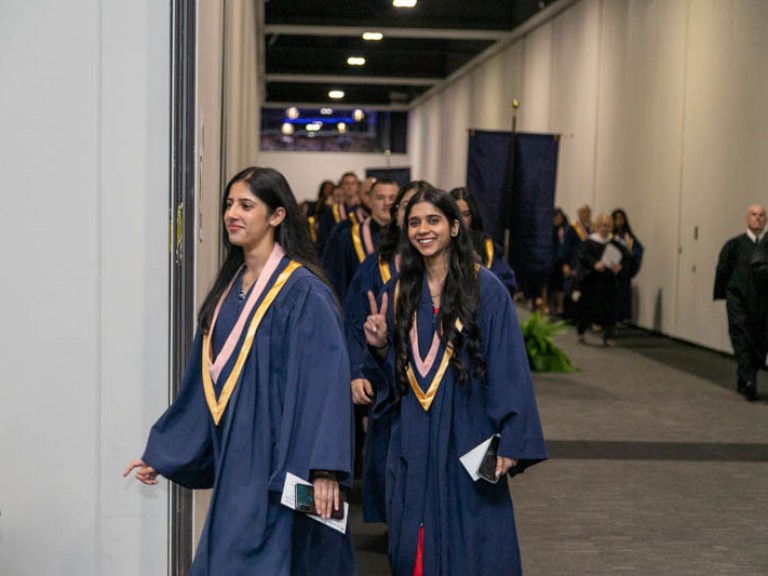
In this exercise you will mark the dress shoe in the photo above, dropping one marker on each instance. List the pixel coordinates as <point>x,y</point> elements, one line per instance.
<point>750,391</point>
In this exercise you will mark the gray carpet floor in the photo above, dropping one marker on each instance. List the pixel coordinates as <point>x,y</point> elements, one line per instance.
<point>657,466</point>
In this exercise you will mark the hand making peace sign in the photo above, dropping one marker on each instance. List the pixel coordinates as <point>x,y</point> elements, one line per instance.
<point>375,326</point>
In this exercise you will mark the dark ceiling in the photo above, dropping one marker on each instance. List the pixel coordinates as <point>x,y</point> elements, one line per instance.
<point>308,42</point>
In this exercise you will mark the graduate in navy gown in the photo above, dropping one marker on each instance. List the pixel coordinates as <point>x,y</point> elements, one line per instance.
<point>346,207</point>
<point>367,375</point>
<point>350,242</point>
<point>488,252</point>
<point>265,393</point>
<point>453,341</point>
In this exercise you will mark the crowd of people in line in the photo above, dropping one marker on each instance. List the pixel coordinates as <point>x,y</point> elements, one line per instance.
<point>406,319</point>
<point>593,264</point>
<point>387,308</point>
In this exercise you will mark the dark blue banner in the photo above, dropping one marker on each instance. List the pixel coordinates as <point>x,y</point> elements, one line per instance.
<point>400,175</point>
<point>517,192</point>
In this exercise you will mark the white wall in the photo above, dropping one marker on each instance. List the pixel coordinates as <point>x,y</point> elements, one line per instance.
<point>306,170</point>
<point>84,158</point>
<point>660,107</point>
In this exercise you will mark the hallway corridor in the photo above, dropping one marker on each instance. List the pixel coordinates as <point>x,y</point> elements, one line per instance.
<point>657,467</point>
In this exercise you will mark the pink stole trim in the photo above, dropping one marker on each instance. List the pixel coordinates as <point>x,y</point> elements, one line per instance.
<point>423,366</point>
<point>367,238</point>
<point>225,354</point>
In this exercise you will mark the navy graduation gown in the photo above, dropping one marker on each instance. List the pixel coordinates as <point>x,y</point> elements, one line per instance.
<point>469,526</point>
<point>340,258</point>
<point>285,415</point>
<point>363,365</point>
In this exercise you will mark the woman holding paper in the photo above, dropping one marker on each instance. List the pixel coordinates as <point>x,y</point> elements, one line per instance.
<point>600,261</point>
<point>452,344</point>
<point>265,395</point>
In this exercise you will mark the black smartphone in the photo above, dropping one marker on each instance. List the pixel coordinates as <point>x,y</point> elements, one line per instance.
<point>305,501</point>
<point>487,469</point>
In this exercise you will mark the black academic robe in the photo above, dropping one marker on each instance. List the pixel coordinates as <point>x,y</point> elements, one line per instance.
<point>290,411</point>
<point>469,526</point>
<point>742,280</point>
<point>600,291</point>
<point>629,270</point>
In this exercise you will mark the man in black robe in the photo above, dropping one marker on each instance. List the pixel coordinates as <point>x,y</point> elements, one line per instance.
<point>742,280</point>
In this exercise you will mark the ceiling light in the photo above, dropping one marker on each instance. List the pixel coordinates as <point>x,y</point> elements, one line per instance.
<point>373,36</point>
<point>341,127</point>
<point>336,94</point>
<point>314,126</point>
<point>292,112</point>
<point>287,128</point>
<point>356,61</point>
<point>358,114</point>
<point>403,3</point>
<point>326,111</point>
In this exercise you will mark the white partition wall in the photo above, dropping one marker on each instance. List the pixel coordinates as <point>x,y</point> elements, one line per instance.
<point>84,158</point>
<point>660,107</point>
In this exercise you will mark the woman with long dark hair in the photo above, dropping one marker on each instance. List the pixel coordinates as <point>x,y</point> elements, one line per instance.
<point>452,342</point>
<point>623,234</point>
<point>253,404</point>
<point>368,379</point>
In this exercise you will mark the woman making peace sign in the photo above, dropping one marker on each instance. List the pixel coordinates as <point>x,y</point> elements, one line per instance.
<point>448,334</point>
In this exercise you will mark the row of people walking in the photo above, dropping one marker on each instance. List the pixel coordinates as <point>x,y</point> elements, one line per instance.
<point>430,344</point>
<point>594,264</point>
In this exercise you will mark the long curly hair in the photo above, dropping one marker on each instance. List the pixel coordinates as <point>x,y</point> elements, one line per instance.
<point>269,186</point>
<point>459,301</point>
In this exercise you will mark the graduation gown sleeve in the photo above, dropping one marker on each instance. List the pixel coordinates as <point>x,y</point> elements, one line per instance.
<point>316,429</point>
<point>180,444</point>
<point>511,403</point>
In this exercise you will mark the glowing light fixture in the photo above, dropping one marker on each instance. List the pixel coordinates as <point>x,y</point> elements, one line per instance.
<point>358,114</point>
<point>292,112</point>
<point>341,127</point>
<point>287,128</point>
<point>314,126</point>
<point>356,61</point>
<point>373,36</point>
<point>403,3</point>
<point>326,111</point>
<point>336,94</point>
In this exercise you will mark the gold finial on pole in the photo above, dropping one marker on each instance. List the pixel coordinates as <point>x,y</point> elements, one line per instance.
<point>515,106</point>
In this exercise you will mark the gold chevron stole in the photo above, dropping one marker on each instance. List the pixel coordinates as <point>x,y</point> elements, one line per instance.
<point>426,398</point>
<point>217,407</point>
<point>357,242</point>
<point>386,275</point>
<point>488,252</point>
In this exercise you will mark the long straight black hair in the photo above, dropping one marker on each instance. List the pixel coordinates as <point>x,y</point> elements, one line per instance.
<point>460,298</point>
<point>269,186</point>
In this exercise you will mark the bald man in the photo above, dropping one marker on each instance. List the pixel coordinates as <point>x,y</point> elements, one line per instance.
<point>742,280</point>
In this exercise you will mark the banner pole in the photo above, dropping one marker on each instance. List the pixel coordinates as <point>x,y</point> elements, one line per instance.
<point>511,179</point>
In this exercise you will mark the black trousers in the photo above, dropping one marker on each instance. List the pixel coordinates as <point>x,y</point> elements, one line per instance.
<point>747,332</point>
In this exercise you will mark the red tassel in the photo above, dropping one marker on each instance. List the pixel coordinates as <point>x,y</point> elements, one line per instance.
<point>418,569</point>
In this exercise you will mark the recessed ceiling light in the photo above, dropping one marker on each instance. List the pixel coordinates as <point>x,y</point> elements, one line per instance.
<point>314,126</point>
<point>403,3</point>
<point>326,111</point>
<point>336,94</point>
<point>287,129</point>
<point>358,115</point>
<point>356,61</point>
<point>341,127</point>
<point>373,36</point>
<point>292,112</point>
